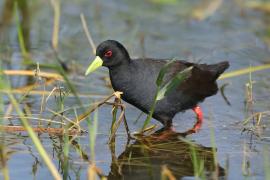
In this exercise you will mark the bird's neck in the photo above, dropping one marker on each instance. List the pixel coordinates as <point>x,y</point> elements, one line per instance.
<point>120,76</point>
<point>119,70</point>
<point>120,66</point>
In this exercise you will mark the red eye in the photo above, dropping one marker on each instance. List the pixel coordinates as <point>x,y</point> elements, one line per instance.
<point>108,53</point>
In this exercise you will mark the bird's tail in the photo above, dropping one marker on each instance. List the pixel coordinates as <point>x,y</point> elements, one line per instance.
<point>205,76</point>
<point>218,69</point>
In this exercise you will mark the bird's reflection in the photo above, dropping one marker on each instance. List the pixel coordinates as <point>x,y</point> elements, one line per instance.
<point>145,158</point>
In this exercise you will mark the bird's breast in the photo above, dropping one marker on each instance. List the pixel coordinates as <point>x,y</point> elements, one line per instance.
<point>136,90</point>
<point>120,80</point>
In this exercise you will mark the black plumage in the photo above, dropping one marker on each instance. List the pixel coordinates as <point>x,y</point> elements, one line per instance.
<point>136,78</point>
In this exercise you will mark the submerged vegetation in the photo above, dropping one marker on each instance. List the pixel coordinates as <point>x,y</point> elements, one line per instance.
<point>46,98</point>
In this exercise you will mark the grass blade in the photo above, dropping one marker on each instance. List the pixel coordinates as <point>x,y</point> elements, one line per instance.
<point>163,71</point>
<point>244,71</point>
<point>42,152</point>
<point>173,83</point>
<point>56,22</point>
<point>93,133</point>
<point>162,92</point>
<point>20,32</point>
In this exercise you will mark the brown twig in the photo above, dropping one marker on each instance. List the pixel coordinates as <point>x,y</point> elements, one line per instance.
<point>35,85</point>
<point>41,92</point>
<point>91,109</point>
<point>40,130</point>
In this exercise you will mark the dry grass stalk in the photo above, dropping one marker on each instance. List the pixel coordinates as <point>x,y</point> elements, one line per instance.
<point>166,174</point>
<point>88,35</point>
<point>56,22</point>
<point>47,75</point>
<point>55,131</point>
<point>94,172</point>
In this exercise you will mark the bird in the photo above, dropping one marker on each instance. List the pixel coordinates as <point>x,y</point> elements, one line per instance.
<point>136,79</point>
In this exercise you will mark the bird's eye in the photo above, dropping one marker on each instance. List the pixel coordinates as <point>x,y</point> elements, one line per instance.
<point>108,53</point>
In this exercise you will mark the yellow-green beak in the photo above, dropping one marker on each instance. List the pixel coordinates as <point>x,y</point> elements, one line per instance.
<point>94,65</point>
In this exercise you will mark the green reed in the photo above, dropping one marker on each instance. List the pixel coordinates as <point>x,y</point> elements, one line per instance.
<point>198,163</point>
<point>3,148</point>
<point>42,152</point>
<point>20,32</point>
<point>266,162</point>
<point>163,88</point>
<point>66,154</point>
<point>92,131</point>
<point>214,151</point>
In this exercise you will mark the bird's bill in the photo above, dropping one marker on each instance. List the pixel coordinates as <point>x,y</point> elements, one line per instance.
<point>94,65</point>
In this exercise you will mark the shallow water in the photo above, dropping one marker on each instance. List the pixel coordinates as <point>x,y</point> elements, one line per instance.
<point>234,33</point>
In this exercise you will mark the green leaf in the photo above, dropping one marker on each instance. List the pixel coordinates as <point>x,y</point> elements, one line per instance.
<point>163,71</point>
<point>173,83</point>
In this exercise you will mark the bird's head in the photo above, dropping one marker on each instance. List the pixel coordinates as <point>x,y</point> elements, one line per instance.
<point>109,53</point>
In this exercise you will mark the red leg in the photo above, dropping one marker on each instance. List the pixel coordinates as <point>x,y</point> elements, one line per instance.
<point>199,122</point>
<point>170,132</point>
<point>199,115</point>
